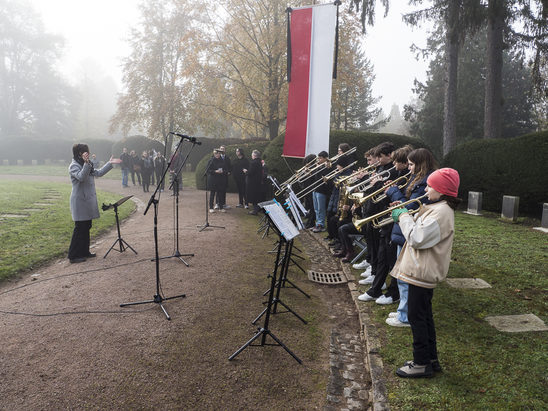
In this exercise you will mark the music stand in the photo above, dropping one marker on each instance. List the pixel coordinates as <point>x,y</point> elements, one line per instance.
<point>119,240</point>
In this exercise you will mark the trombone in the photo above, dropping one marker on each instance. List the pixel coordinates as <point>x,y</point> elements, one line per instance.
<point>318,183</point>
<point>364,185</point>
<point>310,169</point>
<point>378,222</point>
<point>348,179</point>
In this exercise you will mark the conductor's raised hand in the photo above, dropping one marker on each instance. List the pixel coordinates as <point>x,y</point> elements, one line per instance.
<point>114,160</point>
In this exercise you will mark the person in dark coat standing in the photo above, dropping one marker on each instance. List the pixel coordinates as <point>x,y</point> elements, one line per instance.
<point>83,200</point>
<point>126,162</point>
<point>253,181</point>
<point>159,168</point>
<point>227,167</point>
<point>240,164</point>
<point>147,168</point>
<point>216,179</point>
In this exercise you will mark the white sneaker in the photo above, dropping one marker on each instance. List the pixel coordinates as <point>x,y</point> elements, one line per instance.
<point>223,210</point>
<point>383,287</point>
<point>393,315</point>
<point>368,280</point>
<point>364,281</point>
<point>216,206</point>
<point>226,207</point>
<point>384,300</point>
<point>394,322</point>
<point>211,210</point>
<point>246,206</point>
<point>366,297</point>
<point>366,273</point>
<point>361,266</point>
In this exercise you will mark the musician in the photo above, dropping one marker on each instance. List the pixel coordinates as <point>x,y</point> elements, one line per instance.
<point>227,171</point>
<point>424,262</point>
<point>334,220</point>
<point>83,200</point>
<point>216,179</point>
<point>308,202</point>
<point>384,254</point>
<point>321,194</point>
<point>421,164</point>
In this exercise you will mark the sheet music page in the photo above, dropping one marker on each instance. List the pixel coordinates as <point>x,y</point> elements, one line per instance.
<point>280,219</point>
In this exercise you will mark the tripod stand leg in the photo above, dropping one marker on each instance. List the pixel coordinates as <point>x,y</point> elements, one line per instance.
<point>128,246</point>
<point>247,344</point>
<point>111,247</point>
<point>284,346</point>
<point>292,312</point>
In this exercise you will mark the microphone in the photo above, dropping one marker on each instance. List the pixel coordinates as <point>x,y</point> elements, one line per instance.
<point>187,138</point>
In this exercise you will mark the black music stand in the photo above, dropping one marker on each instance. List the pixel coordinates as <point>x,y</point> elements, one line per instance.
<point>123,244</point>
<point>286,232</point>
<point>206,224</point>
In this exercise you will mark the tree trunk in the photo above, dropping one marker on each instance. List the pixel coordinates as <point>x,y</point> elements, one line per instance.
<point>493,81</point>
<point>451,69</point>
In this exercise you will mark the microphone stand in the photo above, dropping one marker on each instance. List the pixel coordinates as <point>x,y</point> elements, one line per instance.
<point>158,297</point>
<point>206,224</point>
<point>175,185</point>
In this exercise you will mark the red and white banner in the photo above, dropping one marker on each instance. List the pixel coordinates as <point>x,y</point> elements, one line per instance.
<point>309,102</point>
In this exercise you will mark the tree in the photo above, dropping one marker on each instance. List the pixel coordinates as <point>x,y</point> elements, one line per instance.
<point>157,93</point>
<point>353,105</point>
<point>34,99</point>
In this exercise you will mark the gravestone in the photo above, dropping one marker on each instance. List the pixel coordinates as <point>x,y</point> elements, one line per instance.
<point>510,206</point>
<point>20,162</point>
<point>544,221</point>
<point>34,162</point>
<point>5,162</point>
<point>474,203</point>
<point>517,323</point>
<point>475,283</point>
<point>47,161</point>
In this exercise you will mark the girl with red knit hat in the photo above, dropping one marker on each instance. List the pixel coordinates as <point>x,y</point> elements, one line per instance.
<point>424,262</point>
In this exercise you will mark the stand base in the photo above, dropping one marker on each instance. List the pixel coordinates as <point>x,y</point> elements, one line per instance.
<point>207,225</point>
<point>275,302</point>
<point>123,247</point>
<point>264,332</point>
<point>157,299</point>
<point>178,255</point>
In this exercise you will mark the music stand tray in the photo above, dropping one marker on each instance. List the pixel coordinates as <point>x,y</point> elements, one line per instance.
<point>123,244</point>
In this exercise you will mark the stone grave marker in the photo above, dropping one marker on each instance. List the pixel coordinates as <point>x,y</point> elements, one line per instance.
<point>517,323</point>
<point>475,199</point>
<point>510,206</point>
<point>544,221</point>
<point>467,283</point>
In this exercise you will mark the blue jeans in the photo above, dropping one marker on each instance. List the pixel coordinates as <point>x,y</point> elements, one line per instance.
<point>125,173</point>
<point>320,207</point>
<point>404,295</point>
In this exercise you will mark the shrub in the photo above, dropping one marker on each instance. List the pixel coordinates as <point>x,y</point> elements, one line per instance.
<point>247,145</point>
<point>500,167</point>
<point>137,143</point>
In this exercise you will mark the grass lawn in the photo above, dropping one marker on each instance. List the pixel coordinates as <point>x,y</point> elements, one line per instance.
<point>483,368</point>
<point>55,170</point>
<point>46,232</point>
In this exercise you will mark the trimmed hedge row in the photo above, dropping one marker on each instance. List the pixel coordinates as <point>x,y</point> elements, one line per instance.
<point>28,149</point>
<point>514,166</point>
<point>246,145</point>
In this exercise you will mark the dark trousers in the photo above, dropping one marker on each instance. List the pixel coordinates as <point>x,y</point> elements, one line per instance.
<point>240,183</point>
<point>220,200</point>
<point>79,243</point>
<point>159,177</point>
<point>386,258</point>
<point>372,237</point>
<point>419,304</point>
<point>311,216</point>
<point>344,231</point>
<point>146,181</point>
<point>133,177</point>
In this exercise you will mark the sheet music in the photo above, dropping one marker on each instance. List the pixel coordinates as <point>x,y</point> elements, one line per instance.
<point>280,219</point>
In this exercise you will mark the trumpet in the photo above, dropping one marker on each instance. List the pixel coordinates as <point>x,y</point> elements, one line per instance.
<point>316,184</point>
<point>364,185</point>
<point>355,174</point>
<point>378,222</point>
<point>379,195</point>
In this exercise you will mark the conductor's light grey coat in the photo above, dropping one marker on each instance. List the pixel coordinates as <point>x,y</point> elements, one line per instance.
<point>83,199</point>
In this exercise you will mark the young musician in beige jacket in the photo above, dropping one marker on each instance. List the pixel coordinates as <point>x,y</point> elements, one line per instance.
<point>424,262</point>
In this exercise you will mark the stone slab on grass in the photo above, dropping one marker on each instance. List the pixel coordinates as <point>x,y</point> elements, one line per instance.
<point>517,323</point>
<point>467,283</point>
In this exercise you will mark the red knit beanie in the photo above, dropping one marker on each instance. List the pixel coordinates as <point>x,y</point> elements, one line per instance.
<point>445,181</point>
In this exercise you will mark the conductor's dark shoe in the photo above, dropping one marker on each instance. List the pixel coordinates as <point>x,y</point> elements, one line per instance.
<point>77,260</point>
<point>91,255</point>
<point>412,370</point>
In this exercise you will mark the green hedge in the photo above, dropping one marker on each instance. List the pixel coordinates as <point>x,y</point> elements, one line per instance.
<point>278,165</point>
<point>247,145</point>
<point>28,149</point>
<point>515,166</point>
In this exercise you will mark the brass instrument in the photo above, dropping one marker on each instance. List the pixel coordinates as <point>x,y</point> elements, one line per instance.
<point>310,169</point>
<point>364,185</point>
<point>379,194</point>
<point>316,184</point>
<point>350,178</point>
<point>378,222</point>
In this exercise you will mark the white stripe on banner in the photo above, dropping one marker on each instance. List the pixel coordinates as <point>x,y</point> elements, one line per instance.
<point>324,20</point>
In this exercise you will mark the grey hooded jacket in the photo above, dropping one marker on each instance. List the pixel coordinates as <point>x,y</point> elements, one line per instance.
<point>83,199</point>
